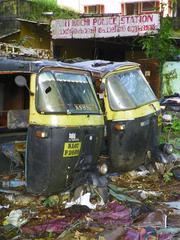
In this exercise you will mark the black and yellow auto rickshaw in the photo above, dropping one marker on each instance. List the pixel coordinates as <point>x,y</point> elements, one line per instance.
<point>131,113</point>
<point>54,109</point>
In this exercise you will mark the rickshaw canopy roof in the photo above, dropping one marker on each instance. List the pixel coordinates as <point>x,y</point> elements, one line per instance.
<point>27,66</point>
<point>102,67</point>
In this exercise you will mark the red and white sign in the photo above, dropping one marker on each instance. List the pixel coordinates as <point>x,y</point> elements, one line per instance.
<point>105,27</point>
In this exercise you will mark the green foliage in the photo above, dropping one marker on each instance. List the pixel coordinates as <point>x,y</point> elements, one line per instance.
<point>8,8</point>
<point>170,134</point>
<point>175,127</point>
<point>172,129</point>
<point>40,6</point>
<point>168,78</point>
<point>160,46</point>
<point>167,176</point>
<point>34,9</point>
<point>174,3</point>
<point>51,201</point>
<point>50,235</point>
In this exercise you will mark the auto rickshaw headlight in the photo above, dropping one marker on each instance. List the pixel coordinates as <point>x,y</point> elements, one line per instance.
<point>103,168</point>
<point>119,127</point>
<point>41,134</point>
<point>168,148</point>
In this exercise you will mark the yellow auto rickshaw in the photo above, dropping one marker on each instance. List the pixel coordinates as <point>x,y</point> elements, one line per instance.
<point>54,110</point>
<point>131,113</point>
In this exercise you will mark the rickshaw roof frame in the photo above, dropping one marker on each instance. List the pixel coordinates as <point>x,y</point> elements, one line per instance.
<point>13,65</point>
<point>102,67</point>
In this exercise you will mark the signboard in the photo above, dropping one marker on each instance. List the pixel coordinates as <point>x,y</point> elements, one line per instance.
<point>105,27</point>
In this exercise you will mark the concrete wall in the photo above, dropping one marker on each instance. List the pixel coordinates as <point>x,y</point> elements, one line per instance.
<point>78,5</point>
<point>31,35</point>
<point>37,36</point>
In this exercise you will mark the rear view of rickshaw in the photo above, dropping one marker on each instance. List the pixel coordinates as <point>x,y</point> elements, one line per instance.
<point>65,127</point>
<point>131,113</point>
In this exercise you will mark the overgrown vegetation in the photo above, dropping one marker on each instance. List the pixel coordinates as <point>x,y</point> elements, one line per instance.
<point>167,176</point>
<point>171,134</point>
<point>38,7</point>
<point>35,9</point>
<point>161,46</point>
<point>172,129</point>
<point>168,79</point>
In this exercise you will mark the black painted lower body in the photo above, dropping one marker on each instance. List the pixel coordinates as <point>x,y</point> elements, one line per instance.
<point>47,170</point>
<point>136,144</point>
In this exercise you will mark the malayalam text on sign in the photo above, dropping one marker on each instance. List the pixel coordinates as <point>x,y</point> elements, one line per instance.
<point>104,27</point>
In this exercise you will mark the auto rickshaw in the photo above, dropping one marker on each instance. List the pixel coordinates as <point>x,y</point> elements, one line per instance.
<point>53,109</point>
<point>131,112</point>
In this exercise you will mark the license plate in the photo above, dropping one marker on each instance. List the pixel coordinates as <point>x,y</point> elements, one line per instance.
<point>71,149</point>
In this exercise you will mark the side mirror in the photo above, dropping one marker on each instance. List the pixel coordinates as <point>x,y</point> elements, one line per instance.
<point>22,82</point>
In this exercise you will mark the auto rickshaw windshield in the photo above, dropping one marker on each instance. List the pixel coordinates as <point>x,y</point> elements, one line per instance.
<point>128,90</point>
<point>64,92</point>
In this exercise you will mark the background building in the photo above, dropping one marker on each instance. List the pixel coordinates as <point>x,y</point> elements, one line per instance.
<point>125,7</point>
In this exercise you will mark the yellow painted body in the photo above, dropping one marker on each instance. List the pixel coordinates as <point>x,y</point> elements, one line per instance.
<point>131,114</point>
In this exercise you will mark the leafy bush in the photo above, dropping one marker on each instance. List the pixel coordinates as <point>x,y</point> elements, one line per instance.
<point>170,134</point>
<point>167,177</point>
<point>37,7</point>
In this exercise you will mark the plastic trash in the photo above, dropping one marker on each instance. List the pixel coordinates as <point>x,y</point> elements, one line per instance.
<point>82,200</point>
<point>12,183</point>
<point>145,194</point>
<point>15,218</point>
<point>4,206</point>
<point>175,204</point>
<point>153,219</point>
